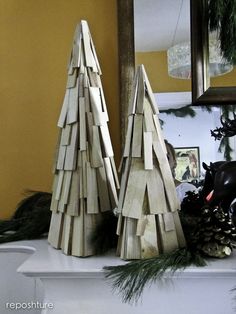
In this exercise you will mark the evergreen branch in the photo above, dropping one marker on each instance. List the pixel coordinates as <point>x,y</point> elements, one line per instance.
<point>131,279</point>
<point>181,112</point>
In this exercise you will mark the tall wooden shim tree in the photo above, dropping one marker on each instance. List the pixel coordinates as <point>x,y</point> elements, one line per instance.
<point>148,223</point>
<point>85,177</point>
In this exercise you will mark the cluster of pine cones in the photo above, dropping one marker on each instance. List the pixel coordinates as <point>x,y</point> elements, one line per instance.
<point>207,229</point>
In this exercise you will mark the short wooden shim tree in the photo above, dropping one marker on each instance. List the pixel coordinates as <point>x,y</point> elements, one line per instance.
<point>149,223</point>
<point>85,177</point>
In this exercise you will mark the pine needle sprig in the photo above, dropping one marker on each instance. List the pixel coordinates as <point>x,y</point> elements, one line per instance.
<point>130,279</point>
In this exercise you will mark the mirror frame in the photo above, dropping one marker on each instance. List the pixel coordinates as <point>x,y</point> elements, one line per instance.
<point>126,58</point>
<point>202,92</point>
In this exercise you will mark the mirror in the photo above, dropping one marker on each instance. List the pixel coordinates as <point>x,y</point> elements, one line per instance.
<point>212,120</point>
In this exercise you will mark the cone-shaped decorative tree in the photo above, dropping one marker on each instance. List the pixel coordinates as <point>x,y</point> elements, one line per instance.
<point>149,222</point>
<point>85,178</point>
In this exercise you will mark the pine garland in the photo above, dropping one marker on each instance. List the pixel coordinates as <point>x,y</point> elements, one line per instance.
<point>225,146</point>
<point>181,112</point>
<point>225,142</point>
<point>131,279</point>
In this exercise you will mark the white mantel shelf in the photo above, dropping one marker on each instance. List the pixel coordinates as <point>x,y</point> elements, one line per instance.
<point>77,285</point>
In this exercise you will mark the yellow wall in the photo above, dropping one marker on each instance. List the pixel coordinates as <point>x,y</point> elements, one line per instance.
<point>36,38</point>
<point>155,63</point>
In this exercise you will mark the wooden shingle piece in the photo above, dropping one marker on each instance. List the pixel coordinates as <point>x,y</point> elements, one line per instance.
<point>123,184</point>
<point>84,173</point>
<point>76,48</point>
<point>92,191</point>
<point>140,93</point>
<point>156,192</point>
<point>104,106</point>
<point>81,85</point>
<point>89,57</point>
<point>55,230</point>
<point>82,125</point>
<point>128,138</point>
<point>54,202</point>
<point>96,106</point>
<point>67,187</point>
<point>103,193</point>
<point>137,136</point>
<point>72,79</point>
<point>149,91</point>
<point>63,114</point>
<point>135,190</point>
<point>111,183</point>
<point>130,246</point>
<point>96,154</point>
<point>59,185</point>
<point>159,133</point>
<point>71,150</point>
<point>82,68</point>
<point>66,135</point>
<point>87,100</point>
<point>106,140</point>
<point>147,147</point>
<point>67,234</point>
<point>149,243</point>
<point>72,114</point>
<point>169,239</point>
<point>166,176</point>
<point>179,230</point>
<point>61,157</point>
<point>113,166</point>
<point>72,200</point>
<point>148,117</point>
<point>95,55</point>
<point>77,248</point>
<point>56,153</point>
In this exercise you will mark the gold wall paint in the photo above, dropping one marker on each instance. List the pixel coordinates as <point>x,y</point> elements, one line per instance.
<point>155,63</point>
<point>36,39</point>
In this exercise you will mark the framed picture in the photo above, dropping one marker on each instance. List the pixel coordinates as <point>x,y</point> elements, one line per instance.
<point>188,163</point>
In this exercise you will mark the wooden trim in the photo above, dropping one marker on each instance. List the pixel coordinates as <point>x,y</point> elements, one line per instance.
<point>126,59</point>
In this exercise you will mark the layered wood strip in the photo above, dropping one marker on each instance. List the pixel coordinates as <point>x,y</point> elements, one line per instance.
<point>85,177</point>
<point>148,222</point>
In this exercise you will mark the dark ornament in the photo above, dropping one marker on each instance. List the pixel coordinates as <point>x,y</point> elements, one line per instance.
<point>220,181</point>
<point>228,128</point>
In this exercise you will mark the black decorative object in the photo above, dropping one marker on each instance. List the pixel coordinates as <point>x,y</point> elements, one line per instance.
<point>228,128</point>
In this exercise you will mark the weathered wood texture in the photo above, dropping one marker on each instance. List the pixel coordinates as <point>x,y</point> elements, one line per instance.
<point>148,223</point>
<point>126,58</point>
<point>85,177</point>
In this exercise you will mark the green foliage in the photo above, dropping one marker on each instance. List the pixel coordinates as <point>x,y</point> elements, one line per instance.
<point>181,112</point>
<point>222,18</point>
<point>226,148</point>
<point>225,142</point>
<point>130,279</point>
